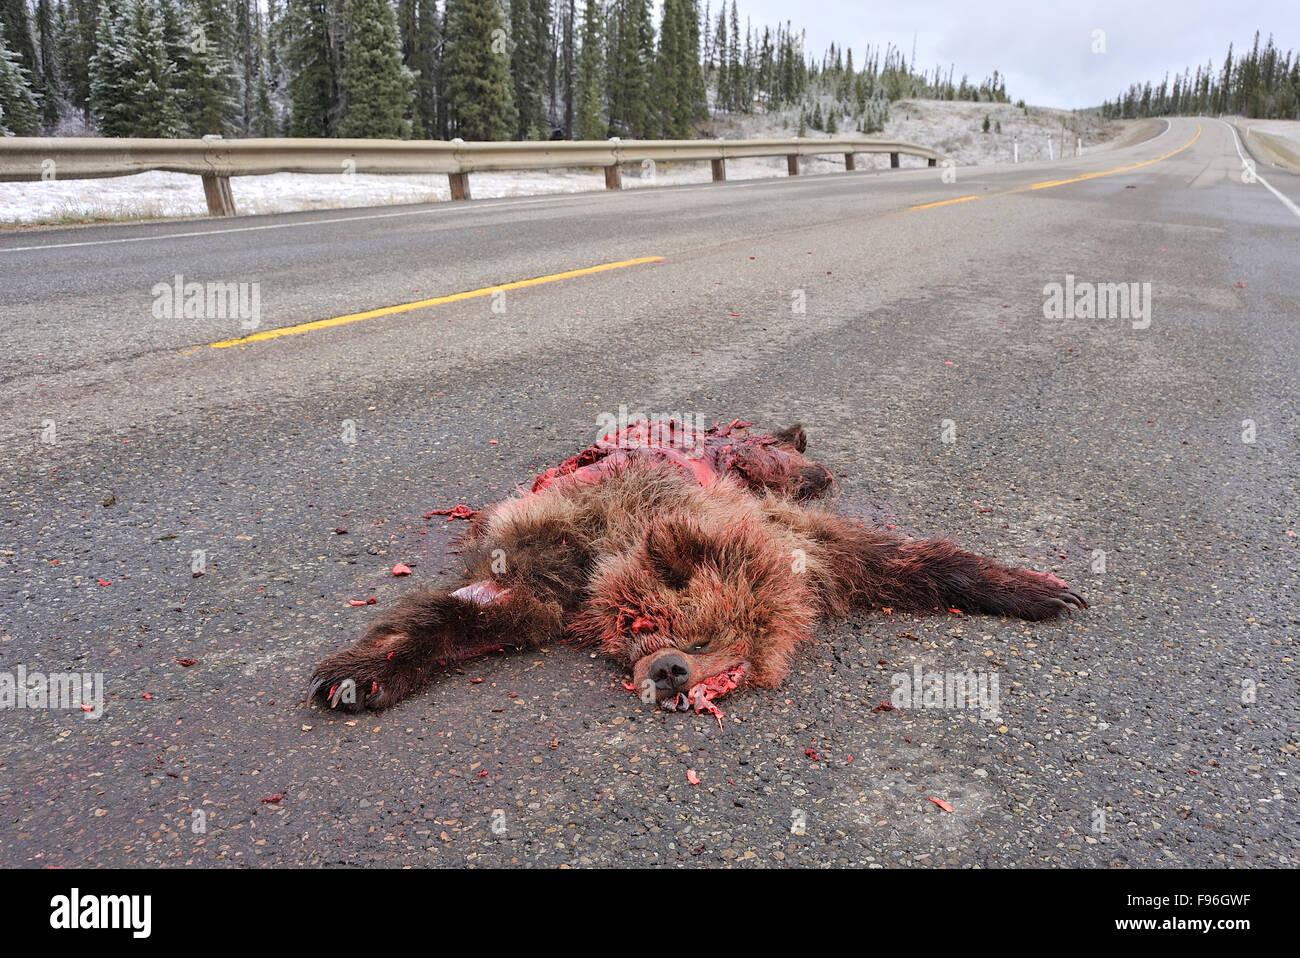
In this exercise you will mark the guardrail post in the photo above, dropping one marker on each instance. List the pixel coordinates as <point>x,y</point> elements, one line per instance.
<point>459,185</point>
<point>792,164</point>
<point>893,161</point>
<point>216,189</point>
<point>613,177</point>
<point>848,163</point>
<point>719,170</point>
<point>932,162</point>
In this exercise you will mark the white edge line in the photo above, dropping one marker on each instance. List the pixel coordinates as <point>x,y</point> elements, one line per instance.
<point>1269,186</point>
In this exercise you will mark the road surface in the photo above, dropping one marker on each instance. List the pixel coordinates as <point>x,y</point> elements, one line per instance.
<point>1148,460</point>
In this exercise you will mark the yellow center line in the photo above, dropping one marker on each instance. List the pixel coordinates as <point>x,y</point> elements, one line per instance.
<point>1048,184</point>
<point>425,303</point>
<point>928,206</point>
<point>604,267</point>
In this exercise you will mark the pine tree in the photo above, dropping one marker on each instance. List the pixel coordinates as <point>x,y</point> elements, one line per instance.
<point>476,65</point>
<point>379,88</point>
<point>590,123</point>
<point>18,112</point>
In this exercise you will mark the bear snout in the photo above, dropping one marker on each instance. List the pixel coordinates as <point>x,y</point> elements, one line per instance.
<point>670,671</point>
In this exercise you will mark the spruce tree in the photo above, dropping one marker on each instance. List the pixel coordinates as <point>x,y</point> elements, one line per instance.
<point>530,29</point>
<point>148,92</point>
<point>203,84</point>
<point>568,66</point>
<point>76,45</point>
<point>631,57</point>
<point>17,23</point>
<point>314,84</point>
<point>476,61</point>
<point>679,82</point>
<point>378,86</point>
<point>722,75</point>
<point>665,92</point>
<point>735,64</point>
<point>219,32</point>
<point>18,112</point>
<point>48,51</point>
<point>590,122</point>
<point>264,123</point>
<point>417,25</point>
<point>109,72</point>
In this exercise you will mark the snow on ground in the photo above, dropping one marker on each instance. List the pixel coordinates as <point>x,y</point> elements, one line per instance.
<point>158,195</point>
<point>1288,130</point>
<point>953,128</point>
<point>1279,138</point>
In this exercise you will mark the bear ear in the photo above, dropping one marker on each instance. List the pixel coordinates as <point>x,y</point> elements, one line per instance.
<point>675,548</point>
<point>793,436</point>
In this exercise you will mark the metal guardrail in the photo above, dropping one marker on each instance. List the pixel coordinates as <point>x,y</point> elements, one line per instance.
<point>216,160</point>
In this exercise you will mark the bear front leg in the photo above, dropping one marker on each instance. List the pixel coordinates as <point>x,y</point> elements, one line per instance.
<point>425,632</point>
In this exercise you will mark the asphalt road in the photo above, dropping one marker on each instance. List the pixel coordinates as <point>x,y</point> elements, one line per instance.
<point>1156,728</point>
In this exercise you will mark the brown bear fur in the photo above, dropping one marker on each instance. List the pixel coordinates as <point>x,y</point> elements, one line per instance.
<point>680,565</point>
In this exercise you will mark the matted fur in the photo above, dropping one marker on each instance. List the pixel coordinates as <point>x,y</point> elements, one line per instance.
<point>677,571</point>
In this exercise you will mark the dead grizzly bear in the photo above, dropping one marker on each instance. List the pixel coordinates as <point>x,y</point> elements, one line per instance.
<point>691,557</point>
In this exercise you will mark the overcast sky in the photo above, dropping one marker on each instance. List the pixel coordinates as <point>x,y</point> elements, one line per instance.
<point>1043,48</point>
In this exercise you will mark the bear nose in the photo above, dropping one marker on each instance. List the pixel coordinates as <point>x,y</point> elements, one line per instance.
<point>671,672</point>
